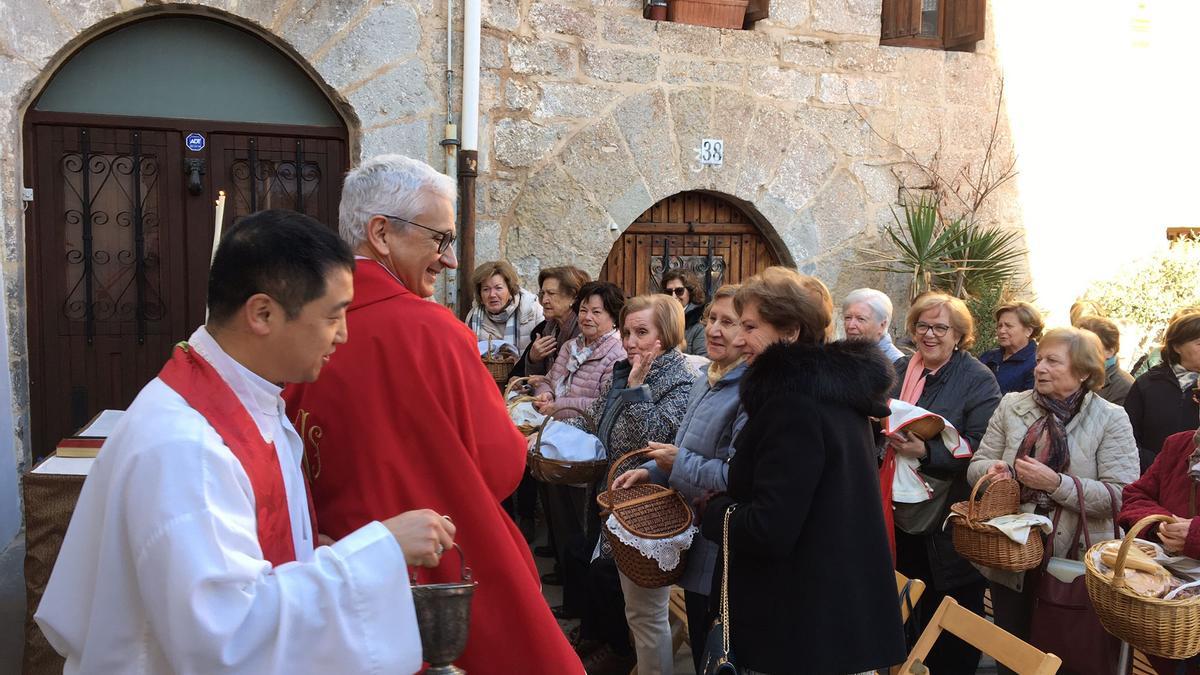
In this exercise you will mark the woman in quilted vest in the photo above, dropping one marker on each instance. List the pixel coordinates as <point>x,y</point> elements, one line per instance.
<point>1047,437</point>
<point>585,364</point>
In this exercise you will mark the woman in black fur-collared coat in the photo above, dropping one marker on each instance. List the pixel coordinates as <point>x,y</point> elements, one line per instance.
<point>811,582</point>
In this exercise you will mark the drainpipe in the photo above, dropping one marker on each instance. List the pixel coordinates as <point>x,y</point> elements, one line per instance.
<point>450,142</point>
<point>468,155</point>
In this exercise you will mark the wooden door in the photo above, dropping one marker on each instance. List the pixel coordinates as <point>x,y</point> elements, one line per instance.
<point>698,231</point>
<point>118,247</point>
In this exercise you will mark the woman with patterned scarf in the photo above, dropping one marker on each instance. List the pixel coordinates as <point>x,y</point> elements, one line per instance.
<point>1044,437</point>
<point>503,311</point>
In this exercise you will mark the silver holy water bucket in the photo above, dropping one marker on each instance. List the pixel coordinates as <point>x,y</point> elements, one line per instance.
<point>444,618</point>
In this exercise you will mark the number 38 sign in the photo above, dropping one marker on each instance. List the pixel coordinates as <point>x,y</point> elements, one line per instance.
<point>711,152</point>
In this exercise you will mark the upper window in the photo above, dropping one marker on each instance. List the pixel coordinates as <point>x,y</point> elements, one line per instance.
<point>932,24</point>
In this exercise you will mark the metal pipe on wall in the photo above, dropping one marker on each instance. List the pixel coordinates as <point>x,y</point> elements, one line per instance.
<point>468,156</point>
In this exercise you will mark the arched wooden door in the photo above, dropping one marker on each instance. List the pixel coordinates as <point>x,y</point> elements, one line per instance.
<point>125,165</point>
<point>699,231</point>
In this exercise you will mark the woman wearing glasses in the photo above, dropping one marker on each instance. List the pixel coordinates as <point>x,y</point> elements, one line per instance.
<point>503,311</point>
<point>686,288</point>
<point>558,287</point>
<point>941,377</point>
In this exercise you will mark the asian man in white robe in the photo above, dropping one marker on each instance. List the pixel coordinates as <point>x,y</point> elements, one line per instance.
<point>193,545</point>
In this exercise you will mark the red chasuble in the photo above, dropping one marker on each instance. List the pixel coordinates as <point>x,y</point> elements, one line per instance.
<point>405,416</point>
<point>199,384</point>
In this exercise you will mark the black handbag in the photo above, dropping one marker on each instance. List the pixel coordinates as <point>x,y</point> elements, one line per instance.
<point>1064,622</point>
<point>718,657</point>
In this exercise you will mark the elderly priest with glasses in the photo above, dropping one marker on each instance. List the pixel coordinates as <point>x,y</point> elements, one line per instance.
<point>407,414</point>
<point>192,548</point>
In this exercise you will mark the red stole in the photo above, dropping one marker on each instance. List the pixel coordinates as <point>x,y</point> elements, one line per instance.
<point>207,393</point>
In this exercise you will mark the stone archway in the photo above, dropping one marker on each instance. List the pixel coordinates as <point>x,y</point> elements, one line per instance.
<point>798,167</point>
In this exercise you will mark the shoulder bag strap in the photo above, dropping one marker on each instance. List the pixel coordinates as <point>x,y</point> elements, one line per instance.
<point>1113,498</point>
<point>725,582</point>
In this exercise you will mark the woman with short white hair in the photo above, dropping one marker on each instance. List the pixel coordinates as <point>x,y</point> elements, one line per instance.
<point>866,315</point>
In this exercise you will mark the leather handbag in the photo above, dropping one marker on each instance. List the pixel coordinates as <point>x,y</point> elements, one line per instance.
<point>1064,621</point>
<point>718,656</point>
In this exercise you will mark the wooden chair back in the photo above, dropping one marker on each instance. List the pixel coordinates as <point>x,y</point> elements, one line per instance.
<point>916,588</point>
<point>1006,648</point>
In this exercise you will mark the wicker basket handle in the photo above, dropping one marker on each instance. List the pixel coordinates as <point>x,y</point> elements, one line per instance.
<point>518,400</point>
<point>612,469</point>
<point>537,446</point>
<point>1119,568</point>
<point>516,381</point>
<point>975,491</point>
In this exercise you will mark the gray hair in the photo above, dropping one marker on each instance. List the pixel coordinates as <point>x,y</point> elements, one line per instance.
<point>878,301</point>
<point>388,184</point>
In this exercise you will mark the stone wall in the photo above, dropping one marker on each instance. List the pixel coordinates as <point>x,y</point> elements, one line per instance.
<point>590,114</point>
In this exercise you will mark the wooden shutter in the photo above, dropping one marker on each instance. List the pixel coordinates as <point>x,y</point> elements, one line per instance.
<point>962,23</point>
<point>900,19</point>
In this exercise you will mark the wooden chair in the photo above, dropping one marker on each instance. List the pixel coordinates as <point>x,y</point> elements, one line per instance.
<point>1019,656</point>
<point>916,588</point>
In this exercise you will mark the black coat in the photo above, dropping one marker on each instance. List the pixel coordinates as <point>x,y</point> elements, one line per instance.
<point>811,583</point>
<point>1157,408</point>
<point>964,392</point>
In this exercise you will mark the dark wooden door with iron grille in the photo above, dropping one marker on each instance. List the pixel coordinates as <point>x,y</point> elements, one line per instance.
<point>699,231</point>
<point>118,243</point>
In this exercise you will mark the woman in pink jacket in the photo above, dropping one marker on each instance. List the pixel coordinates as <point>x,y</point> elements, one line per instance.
<point>584,364</point>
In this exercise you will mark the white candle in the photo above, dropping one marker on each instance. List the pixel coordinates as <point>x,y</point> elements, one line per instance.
<point>217,225</point>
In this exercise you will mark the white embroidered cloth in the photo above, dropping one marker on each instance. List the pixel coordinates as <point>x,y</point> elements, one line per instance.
<point>665,552</point>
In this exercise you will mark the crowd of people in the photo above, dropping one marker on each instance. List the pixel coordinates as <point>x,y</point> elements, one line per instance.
<point>1052,409</point>
<point>263,503</point>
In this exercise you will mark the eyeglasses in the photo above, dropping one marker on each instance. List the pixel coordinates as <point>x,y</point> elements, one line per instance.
<point>444,238</point>
<point>678,291</point>
<point>938,329</point>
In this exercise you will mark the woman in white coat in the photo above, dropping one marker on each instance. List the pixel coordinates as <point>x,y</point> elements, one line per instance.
<point>1058,430</point>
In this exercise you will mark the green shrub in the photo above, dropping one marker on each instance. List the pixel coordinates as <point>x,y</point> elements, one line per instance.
<point>1143,294</point>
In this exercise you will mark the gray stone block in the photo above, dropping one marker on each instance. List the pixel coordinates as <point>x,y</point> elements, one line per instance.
<point>619,65</point>
<point>534,57</point>
<point>388,34</point>
<point>520,143</point>
<point>403,91</point>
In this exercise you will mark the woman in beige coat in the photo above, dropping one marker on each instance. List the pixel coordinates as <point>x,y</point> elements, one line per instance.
<point>1059,429</point>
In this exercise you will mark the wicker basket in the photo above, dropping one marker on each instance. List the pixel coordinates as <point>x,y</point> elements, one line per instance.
<point>1166,628</point>
<point>498,366</point>
<point>985,545</point>
<point>714,13</point>
<point>648,511</point>
<point>525,429</point>
<point>562,472</point>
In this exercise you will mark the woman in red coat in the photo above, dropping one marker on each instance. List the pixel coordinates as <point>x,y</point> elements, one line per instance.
<point>1169,488</point>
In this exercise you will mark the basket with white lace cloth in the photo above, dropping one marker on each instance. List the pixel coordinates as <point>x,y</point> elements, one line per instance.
<point>648,527</point>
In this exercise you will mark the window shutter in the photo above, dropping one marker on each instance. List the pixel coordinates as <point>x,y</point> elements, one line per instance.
<point>900,19</point>
<point>757,10</point>
<point>963,22</point>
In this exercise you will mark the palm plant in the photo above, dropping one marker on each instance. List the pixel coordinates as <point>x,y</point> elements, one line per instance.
<point>958,257</point>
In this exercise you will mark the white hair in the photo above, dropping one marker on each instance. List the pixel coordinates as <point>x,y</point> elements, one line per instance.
<point>878,301</point>
<point>388,184</point>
